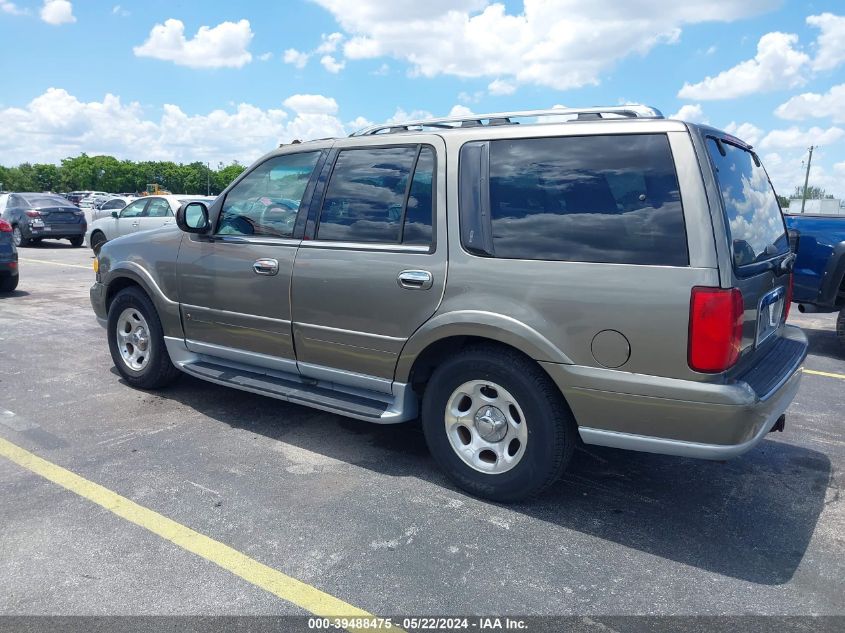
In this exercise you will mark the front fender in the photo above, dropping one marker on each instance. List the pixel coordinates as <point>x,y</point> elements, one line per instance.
<point>477,323</point>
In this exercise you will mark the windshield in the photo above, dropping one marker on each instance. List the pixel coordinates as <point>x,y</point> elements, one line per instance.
<point>755,224</point>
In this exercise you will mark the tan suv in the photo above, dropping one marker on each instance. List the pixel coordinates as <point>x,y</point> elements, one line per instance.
<point>521,282</point>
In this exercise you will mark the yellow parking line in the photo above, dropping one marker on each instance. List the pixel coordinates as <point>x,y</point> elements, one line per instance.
<point>824,373</point>
<point>285,587</point>
<point>44,261</point>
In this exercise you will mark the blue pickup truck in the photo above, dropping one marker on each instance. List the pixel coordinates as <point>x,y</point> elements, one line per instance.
<point>819,281</point>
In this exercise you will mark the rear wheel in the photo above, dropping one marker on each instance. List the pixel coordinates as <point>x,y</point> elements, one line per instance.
<point>18,237</point>
<point>136,341</point>
<point>8,284</point>
<point>840,327</point>
<point>497,424</point>
<point>76,242</point>
<point>97,241</point>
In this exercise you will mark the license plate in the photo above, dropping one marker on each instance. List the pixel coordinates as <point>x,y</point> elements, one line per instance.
<point>770,313</point>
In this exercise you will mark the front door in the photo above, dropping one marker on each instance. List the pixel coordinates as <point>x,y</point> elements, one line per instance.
<point>372,268</point>
<point>234,286</point>
<point>129,218</point>
<point>157,214</point>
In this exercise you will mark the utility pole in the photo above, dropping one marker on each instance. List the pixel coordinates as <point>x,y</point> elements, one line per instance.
<point>807,179</point>
<point>208,179</point>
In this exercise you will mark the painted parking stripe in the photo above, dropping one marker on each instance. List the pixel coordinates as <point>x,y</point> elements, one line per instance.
<point>285,587</point>
<point>44,261</point>
<point>827,374</point>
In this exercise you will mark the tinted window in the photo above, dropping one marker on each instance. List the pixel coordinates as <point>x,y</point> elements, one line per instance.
<point>755,225</point>
<point>417,228</point>
<point>42,202</point>
<point>608,199</point>
<point>365,198</point>
<point>266,202</point>
<point>113,204</point>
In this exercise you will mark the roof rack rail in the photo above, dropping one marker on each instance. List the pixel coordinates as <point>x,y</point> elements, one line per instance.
<point>628,111</point>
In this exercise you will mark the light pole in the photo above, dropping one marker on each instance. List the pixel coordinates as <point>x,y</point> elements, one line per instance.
<point>208,179</point>
<point>807,178</point>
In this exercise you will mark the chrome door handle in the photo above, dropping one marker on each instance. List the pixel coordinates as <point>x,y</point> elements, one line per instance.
<point>415,279</point>
<point>136,224</point>
<point>266,267</point>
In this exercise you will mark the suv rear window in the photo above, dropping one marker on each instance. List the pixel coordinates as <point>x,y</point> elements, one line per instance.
<point>755,225</point>
<point>612,199</point>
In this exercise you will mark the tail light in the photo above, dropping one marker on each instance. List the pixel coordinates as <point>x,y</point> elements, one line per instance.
<point>32,213</point>
<point>5,227</point>
<point>788,296</point>
<point>715,328</point>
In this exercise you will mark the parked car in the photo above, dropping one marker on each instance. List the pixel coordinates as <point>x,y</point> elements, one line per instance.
<point>8,258</point>
<point>143,214</point>
<point>521,288</point>
<point>819,241</point>
<point>37,216</point>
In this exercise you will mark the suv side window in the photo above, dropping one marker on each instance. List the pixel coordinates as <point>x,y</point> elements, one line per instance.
<point>606,198</point>
<point>266,202</point>
<point>373,197</point>
<point>134,210</point>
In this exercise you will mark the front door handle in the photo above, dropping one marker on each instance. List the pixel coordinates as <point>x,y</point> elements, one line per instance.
<point>266,266</point>
<point>136,224</point>
<point>415,279</point>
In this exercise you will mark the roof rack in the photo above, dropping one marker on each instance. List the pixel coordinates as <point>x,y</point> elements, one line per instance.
<point>627,111</point>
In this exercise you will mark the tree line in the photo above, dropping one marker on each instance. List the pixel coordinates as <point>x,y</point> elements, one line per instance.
<point>106,173</point>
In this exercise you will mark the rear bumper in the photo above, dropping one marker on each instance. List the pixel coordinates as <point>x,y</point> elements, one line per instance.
<point>62,231</point>
<point>681,417</point>
<point>8,262</point>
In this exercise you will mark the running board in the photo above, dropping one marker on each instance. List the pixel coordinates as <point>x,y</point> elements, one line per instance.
<point>381,408</point>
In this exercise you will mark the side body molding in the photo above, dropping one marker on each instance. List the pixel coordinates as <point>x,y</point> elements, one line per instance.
<point>479,323</point>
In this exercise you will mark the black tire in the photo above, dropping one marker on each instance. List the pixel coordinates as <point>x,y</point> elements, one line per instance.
<point>76,242</point>
<point>9,283</point>
<point>552,433</point>
<point>36,240</point>
<point>159,371</point>
<point>840,327</point>
<point>18,238</point>
<point>98,238</point>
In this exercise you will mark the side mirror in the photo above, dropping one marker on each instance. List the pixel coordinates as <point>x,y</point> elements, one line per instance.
<point>192,217</point>
<point>115,215</point>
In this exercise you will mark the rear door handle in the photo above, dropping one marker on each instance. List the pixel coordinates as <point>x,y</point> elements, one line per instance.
<point>266,266</point>
<point>415,279</point>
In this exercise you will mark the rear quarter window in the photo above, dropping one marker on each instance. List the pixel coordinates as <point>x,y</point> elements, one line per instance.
<point>605,198</point>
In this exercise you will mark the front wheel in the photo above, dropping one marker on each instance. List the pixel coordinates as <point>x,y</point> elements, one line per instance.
<point>497,424</point>
<point>136,341</point>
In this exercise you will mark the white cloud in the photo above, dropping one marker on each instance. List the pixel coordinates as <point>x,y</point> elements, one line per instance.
<point>795,138</point>
<point>813,105</point>
<point>265,57</point>
<point>223,46</point>
<point>358,123</point>
<point>311,104</point>
<point>777,65</point>
<point>329,43</point>
<point>11,8</point>
<point>295,57</point>
<point>692,113</point>
<point>747,132</point>
<point>57,12</point>
<point>331,64</point>
<point>563,44</point>
<point>501,87</point>
<point>459,111</point>
<point>400,116</point>
<point>56,124</point>
<point>830,43</point>
<point>119,10</point>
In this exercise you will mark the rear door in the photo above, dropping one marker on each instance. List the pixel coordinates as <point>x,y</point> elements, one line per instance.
<point>758,257</point>
<point>373,266</point>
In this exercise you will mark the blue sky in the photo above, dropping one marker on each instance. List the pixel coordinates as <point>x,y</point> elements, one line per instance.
<point>223,83</point>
